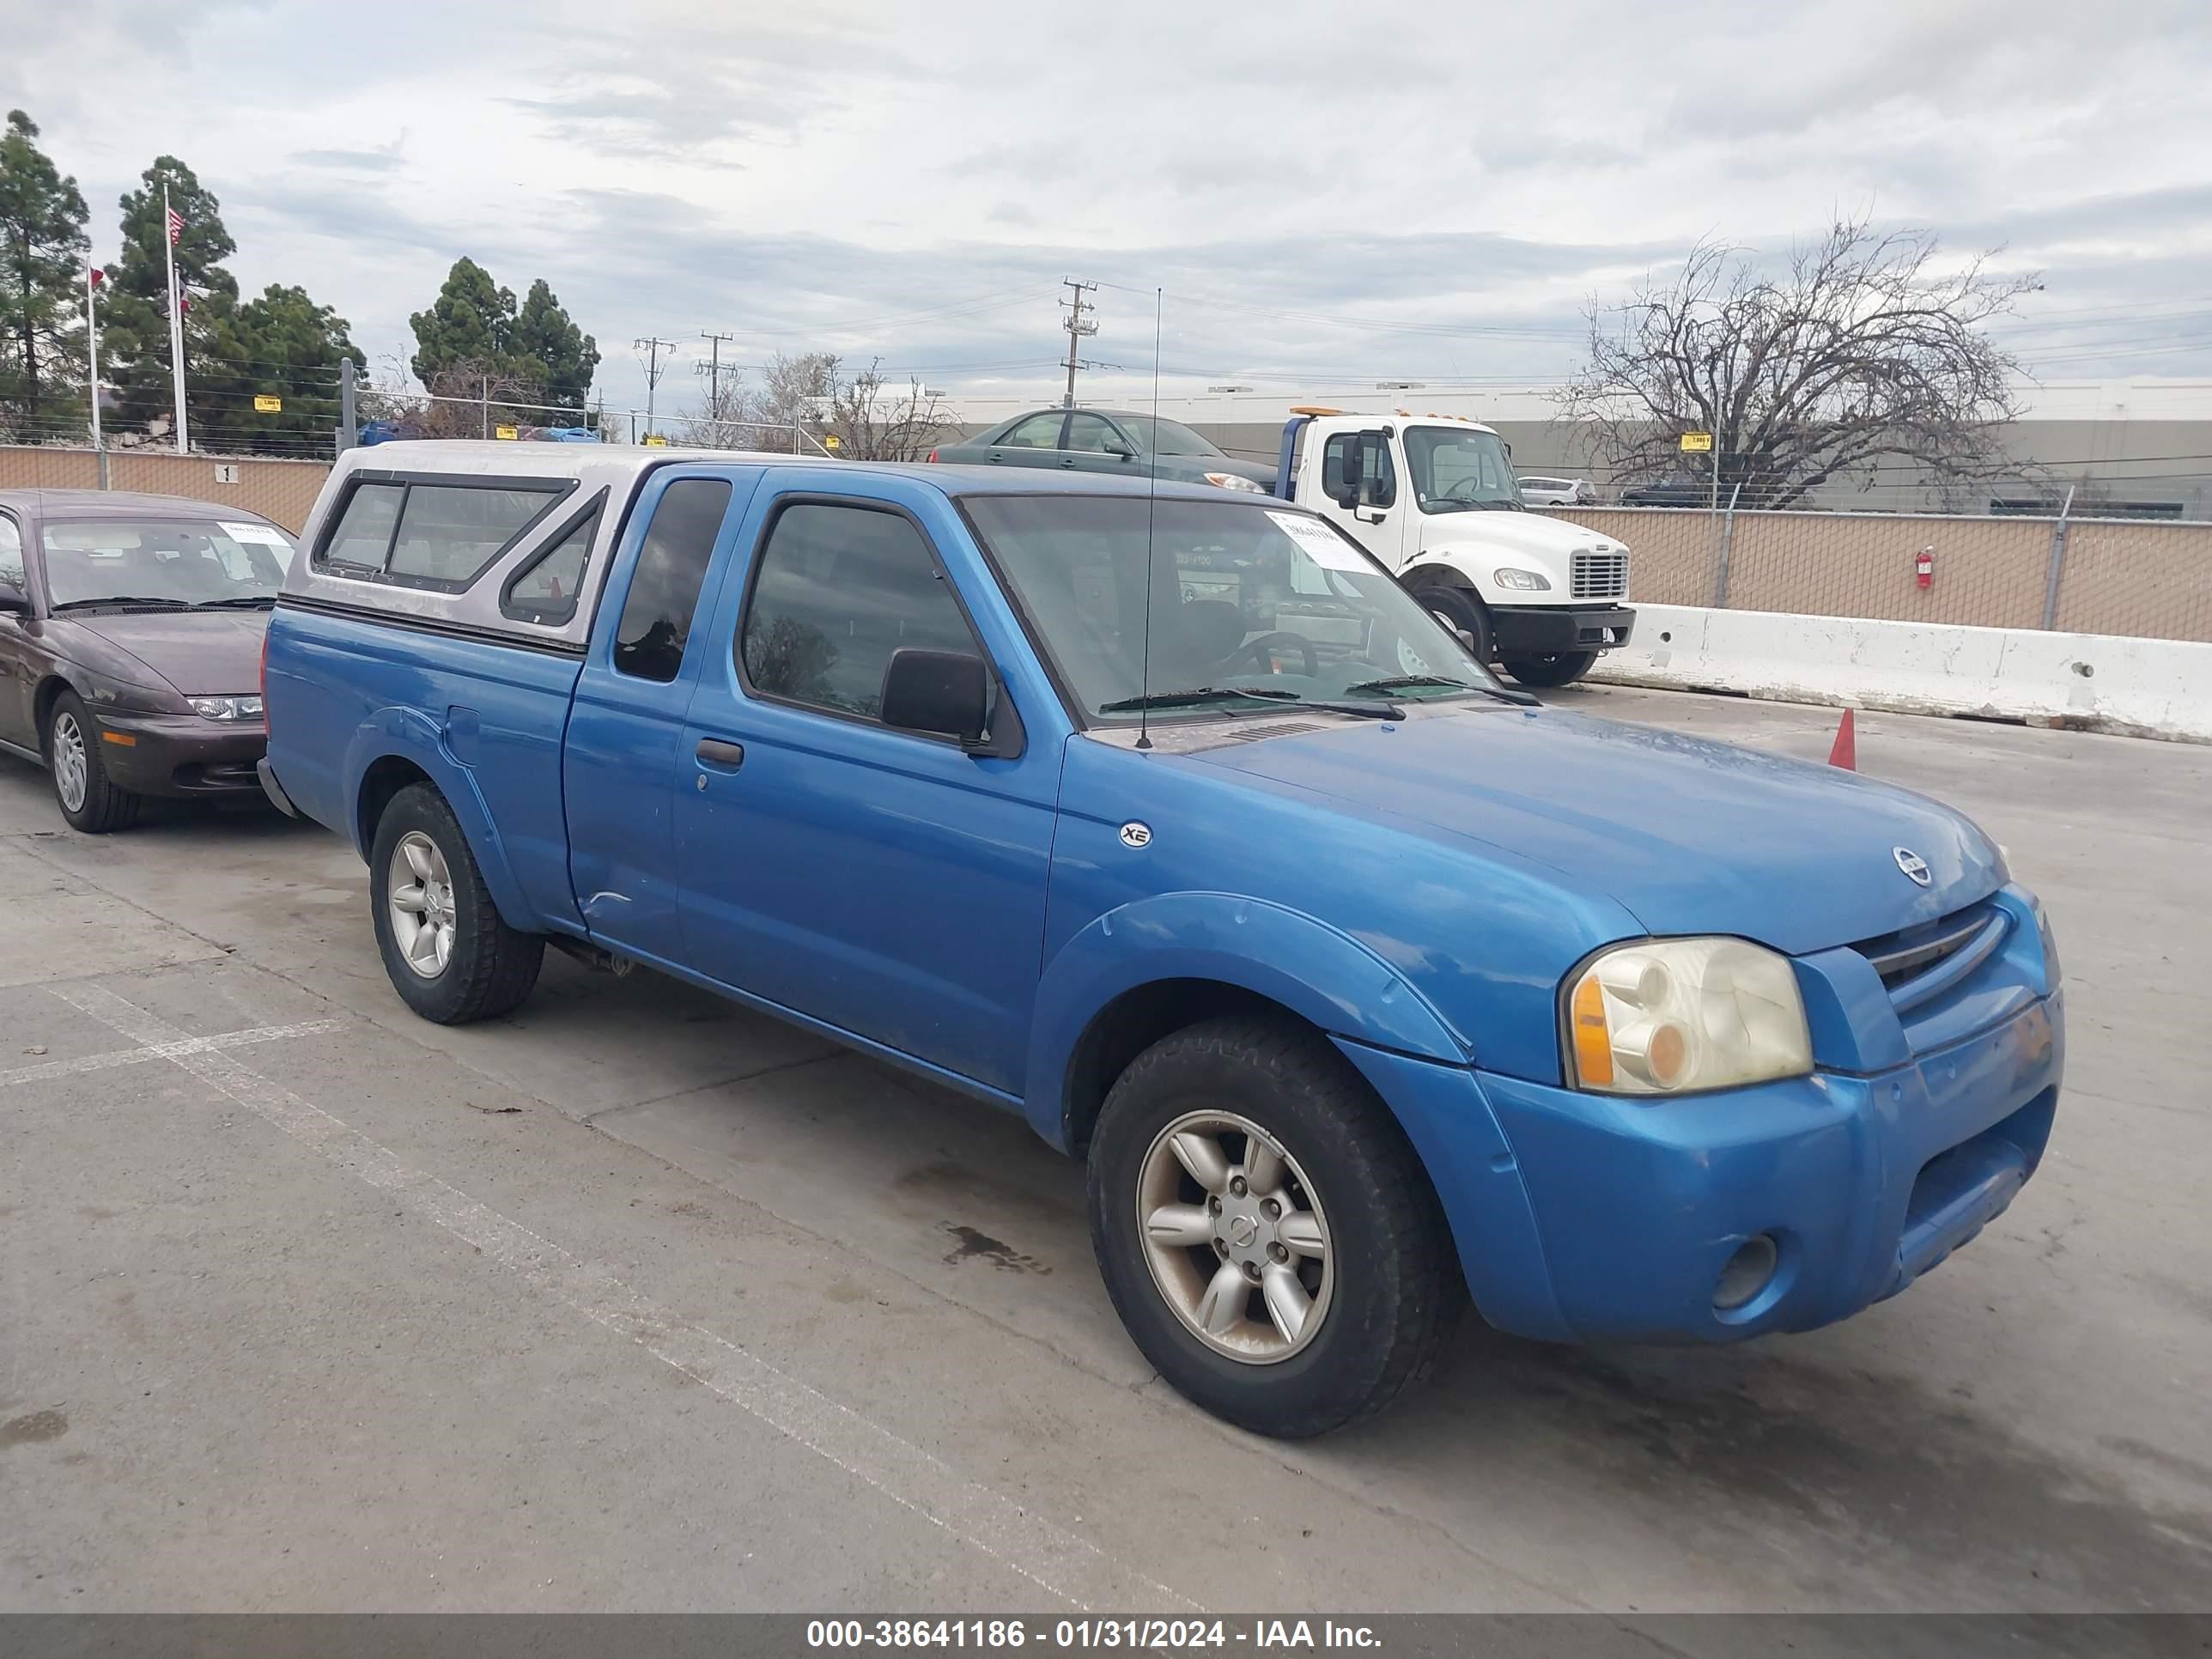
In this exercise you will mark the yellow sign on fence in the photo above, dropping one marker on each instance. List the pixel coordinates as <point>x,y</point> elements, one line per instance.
<point>505,432</point>
<point>656,441</point>
<point>831,442</point>
<point>265,404</point>
<point>1697,443</point>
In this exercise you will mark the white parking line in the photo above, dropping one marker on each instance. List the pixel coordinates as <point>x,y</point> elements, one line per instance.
<point>191,1045</point>
<point>1069,1567</point>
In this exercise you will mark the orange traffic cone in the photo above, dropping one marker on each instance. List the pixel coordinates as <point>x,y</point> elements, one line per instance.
<point>1845,754</point>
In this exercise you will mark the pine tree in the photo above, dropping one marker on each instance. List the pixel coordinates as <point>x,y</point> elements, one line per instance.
<point>42,247</point>
<point>136,324</point>
<point>291,346</point>
<point>546,346</point>
<point>469,322</point>
<point>475,334</point>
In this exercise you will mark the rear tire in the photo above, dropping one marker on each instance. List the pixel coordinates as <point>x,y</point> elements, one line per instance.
<point>1456,608</point>
<point>447,950</point>
<point>1330,1321</point>
<point>1560,668</point>
<point>88,799</point>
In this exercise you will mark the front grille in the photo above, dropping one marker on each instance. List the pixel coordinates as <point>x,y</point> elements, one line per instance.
<point>1909,955</point>
<point>1601,575</point>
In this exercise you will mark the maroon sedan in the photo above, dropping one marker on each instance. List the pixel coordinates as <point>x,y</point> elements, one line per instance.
<point>131,631</point>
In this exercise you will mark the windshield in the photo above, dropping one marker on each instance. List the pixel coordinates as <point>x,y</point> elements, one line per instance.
<point>1459,469</point>
<point>1165,437</point>
<point>1247,603</point>
<point>175,561</point>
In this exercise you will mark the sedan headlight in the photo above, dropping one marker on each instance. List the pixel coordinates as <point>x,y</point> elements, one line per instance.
<point>1527,581</point>
<point>1664,1016</point>
<point>1231,480</point>
<point>226,708</point>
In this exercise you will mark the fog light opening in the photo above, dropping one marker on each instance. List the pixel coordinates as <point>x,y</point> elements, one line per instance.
<point>1749,1270</point>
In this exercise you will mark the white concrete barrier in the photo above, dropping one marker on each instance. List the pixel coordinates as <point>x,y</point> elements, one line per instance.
<point>2100,682</point>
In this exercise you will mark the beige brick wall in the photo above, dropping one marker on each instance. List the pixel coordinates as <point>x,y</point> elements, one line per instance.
<point>2152,580</point>
<point>282,490</point>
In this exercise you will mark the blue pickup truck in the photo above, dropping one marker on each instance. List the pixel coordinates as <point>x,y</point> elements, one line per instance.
<point>1169,821</point>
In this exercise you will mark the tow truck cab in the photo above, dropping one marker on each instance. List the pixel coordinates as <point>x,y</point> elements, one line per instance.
<point>1435,499</point>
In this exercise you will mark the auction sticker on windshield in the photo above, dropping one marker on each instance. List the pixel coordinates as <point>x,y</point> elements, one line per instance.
<point>267,534</point>
<point>1320,544</point>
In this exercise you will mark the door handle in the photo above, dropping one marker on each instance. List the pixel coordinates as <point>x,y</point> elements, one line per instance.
<point>714,752</point>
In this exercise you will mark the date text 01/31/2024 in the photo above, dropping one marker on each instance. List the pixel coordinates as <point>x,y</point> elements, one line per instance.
<point>1138,1633</point>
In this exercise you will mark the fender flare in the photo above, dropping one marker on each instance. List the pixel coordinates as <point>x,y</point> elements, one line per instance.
<point>1434,570</point>
<point>408,734</point>
<point>1319,973</point>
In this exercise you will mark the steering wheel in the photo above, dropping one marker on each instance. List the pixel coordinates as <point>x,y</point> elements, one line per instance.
<point>1261,651</point>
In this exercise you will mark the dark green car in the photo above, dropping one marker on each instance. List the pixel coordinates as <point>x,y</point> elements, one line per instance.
<point>1114,441</point>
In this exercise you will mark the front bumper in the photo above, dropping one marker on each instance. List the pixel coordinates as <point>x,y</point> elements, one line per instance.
<point>182,755</point>
<point>1584,1217</point>
<point>1533,631</point>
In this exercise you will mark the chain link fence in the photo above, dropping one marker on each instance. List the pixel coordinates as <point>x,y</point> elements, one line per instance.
<point>2077,575</point>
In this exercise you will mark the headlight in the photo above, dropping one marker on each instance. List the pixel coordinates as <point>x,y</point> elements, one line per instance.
<point>226,708</point>
<point>1527,581</point>
<point>1664,1016</point>
<point>1231,480</point>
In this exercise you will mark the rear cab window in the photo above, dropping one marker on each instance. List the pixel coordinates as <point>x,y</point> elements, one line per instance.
<point>435,534</point>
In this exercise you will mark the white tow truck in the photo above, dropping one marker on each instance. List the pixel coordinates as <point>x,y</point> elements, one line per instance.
<point>1434,497</point>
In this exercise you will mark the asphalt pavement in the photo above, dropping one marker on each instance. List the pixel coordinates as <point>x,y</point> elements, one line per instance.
<point>638,1301</point>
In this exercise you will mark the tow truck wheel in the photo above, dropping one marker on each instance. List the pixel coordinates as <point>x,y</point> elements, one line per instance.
<point>1266,1232</point>
<point>1460,610</point>
<point>446,949</point>
<point>1560,668</point>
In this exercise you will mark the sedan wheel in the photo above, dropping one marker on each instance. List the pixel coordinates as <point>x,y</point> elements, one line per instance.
<point>67,746</point>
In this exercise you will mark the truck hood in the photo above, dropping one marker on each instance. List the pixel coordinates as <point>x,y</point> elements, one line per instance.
<point>1490,532</point>
<point>1690,836</point>
<point>202,653</point>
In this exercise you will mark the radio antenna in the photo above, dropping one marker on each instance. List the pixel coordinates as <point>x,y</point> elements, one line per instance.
<point>1152,499</point>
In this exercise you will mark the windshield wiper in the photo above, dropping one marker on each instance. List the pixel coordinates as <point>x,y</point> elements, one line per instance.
<point>1196,694</point>
<point>122,598</point>
<point>1210,693</point>
<point>255,600</point>
<point>1407,681</point>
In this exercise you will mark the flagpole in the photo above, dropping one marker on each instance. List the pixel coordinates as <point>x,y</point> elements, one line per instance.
<point>176,322</point>
<point>92,349</point>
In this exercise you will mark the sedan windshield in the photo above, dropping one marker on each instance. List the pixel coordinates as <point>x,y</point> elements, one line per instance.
<point>1459,469</point>
<point>1250,608</point>
<point>171,562</point>
<point>1165,437</point>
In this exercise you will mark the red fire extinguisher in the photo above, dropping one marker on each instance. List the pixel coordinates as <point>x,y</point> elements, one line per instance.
<point>1923,567</point>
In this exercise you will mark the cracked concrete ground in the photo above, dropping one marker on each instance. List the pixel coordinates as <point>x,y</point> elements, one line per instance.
<point>635,1300</point>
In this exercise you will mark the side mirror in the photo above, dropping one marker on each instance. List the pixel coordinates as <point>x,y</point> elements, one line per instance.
<point>14,600</point>
<point>946,691</point>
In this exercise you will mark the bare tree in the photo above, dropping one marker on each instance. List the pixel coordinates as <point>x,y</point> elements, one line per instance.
<point>788,399</point>
<point>1867,347</point>
<point>860,417</point>
<point>873,421</point>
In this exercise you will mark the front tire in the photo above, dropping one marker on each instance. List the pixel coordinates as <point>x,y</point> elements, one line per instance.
<point>1267,1234</point>
<point>1457,609</point>
<point>1560,668</point>
<point>447,950</point>
<point>88,799</point>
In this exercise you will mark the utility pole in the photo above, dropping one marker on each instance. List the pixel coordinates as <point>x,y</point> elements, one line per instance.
<point>1078,327</point>
<point>713,367</point>
<point>653,371</point>
<point>348,421</point>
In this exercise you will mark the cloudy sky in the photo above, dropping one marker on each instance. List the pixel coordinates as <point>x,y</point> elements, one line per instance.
<point>1328,193</point>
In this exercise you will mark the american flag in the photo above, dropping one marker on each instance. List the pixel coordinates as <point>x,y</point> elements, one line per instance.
<point>176,224</point>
